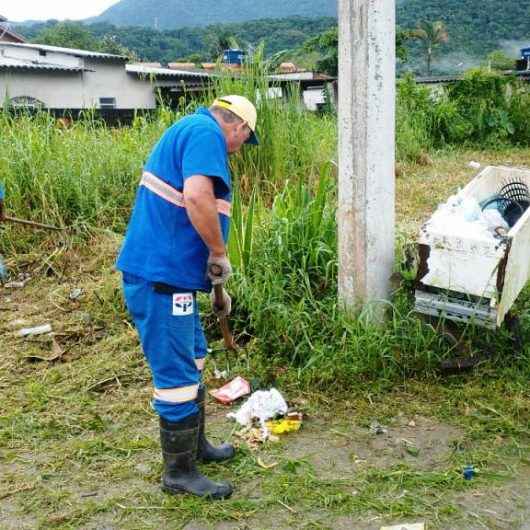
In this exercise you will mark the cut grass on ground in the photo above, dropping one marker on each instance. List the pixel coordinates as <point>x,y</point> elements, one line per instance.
<point>79,443</point>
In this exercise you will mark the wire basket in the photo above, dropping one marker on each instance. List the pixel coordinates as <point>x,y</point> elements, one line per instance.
<point>512,200</point>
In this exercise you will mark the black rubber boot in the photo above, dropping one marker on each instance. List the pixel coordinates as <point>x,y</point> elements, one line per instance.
<point>179,450</point>
<point>206,452</point>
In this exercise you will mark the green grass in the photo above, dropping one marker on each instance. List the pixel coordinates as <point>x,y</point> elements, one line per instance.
<point>83,426</point>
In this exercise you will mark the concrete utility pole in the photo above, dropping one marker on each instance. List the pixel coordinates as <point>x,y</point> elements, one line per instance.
<point>366,216</point>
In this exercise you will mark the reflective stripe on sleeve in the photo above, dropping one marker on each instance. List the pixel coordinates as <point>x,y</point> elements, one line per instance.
<point>200,363</point>
<point>170,194</point>
<point>177,395</point>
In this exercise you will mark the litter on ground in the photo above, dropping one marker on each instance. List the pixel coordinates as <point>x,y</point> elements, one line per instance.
<point>3,269</point>
<point>377,428</point>
<point>32,332</point>
<point>76,294</point>
<point>261,405</point>
<point>291,423</point>
<point>469,473</point>
<point>264,416</point>
<point>414,526</point>
<point>228,393</point>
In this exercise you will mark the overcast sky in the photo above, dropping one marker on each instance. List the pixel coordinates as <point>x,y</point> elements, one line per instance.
<point>18,10</point>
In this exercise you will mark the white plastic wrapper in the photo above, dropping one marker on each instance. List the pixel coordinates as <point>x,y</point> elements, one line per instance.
<point>32,332</point>
<point>494,219</point>
<point>262,405</point>
<point>462,217</point>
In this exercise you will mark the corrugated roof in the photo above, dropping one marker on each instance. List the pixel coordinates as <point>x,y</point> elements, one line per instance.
<point>19,64</point>
<point>69,51</point>
<point>147,70</point>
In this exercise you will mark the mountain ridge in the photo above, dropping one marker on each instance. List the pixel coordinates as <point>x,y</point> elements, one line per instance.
<point>169,14</point>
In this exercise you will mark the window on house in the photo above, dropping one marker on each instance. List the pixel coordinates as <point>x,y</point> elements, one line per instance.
<point>107,103</point>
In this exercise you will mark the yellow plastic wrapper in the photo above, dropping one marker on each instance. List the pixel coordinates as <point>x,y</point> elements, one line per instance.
<point>284,426</point>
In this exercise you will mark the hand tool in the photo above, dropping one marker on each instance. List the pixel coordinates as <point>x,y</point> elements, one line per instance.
<point>228,338</point>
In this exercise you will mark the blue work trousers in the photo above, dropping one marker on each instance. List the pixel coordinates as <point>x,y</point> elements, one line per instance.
<point>173,341</point>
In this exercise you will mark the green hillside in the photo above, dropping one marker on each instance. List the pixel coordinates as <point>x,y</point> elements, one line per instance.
<point>167,14</point>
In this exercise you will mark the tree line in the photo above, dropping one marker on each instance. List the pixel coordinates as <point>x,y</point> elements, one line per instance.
<point>311,43</point>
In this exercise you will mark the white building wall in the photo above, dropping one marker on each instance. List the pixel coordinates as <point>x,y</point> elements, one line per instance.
<point>110,80</point>
<point>57,90</point>
<point>73,90</point>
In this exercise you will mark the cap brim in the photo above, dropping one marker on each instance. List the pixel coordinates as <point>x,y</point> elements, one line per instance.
<point>253,139</point>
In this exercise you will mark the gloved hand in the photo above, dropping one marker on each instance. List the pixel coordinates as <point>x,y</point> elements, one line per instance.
<point>219,269</point>
<point>226,308</point>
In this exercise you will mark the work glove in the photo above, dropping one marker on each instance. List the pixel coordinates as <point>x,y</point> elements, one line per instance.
<point>226,308</point>
<point>219,269</point>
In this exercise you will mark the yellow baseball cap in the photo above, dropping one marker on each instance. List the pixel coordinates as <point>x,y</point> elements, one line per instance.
<point>244,109</point>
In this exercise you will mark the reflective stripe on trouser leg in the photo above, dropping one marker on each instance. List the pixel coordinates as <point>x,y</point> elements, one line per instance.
<point>166,328</point>
<point>201,345</point>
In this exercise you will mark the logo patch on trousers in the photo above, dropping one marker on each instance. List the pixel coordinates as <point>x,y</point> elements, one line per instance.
<point>182,304</point>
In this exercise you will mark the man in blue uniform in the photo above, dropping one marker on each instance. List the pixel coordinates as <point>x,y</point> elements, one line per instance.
<point>176,236</point>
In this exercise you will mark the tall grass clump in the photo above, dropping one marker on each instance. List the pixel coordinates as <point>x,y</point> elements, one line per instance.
<point>286,304</point>
<point>86,173</point>
<point>294,144</point>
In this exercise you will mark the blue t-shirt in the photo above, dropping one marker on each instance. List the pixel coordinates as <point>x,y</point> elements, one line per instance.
<point>161,244</point>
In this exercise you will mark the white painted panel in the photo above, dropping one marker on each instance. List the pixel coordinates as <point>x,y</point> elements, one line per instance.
<point>463,265</point>
<point>48,57</point>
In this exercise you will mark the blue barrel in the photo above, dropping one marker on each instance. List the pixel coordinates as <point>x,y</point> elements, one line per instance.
<point>525,53</point>
<point>233,57</point>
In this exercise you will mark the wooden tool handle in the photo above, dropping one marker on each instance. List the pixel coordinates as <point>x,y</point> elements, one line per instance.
<point>228,338</point>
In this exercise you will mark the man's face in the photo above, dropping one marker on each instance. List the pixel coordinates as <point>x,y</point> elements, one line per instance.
<point>236,135</point>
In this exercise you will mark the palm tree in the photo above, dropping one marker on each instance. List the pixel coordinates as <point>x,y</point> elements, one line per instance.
<point>432,35</point>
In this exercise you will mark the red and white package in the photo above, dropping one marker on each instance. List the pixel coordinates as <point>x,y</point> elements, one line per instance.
<point>228,393</point>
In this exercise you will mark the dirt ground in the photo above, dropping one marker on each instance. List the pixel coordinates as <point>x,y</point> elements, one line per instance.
<point>331,448</point>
